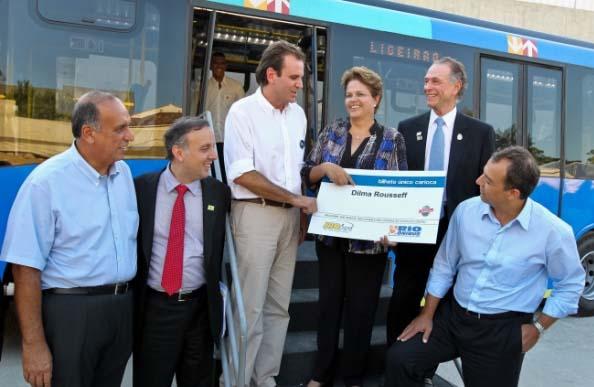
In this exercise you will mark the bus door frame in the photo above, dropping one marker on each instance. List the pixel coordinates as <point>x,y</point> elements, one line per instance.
<point>213,13</point>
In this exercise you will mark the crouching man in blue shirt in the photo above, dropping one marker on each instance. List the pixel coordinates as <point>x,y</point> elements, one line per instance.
<point>500,249</point>
<point>71,237</point>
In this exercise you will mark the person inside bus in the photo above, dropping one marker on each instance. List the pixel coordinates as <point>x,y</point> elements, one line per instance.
<point>71,238</point>
<point>180,249</point>
<point>498,252</point>
<point>440,139</point>
<point>350,271</point>
<point>221,93</point>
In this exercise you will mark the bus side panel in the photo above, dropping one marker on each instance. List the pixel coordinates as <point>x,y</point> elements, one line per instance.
<point>140,167</point>
<point>11,178</point>
<point>577,210</point>
<point>547,193</point>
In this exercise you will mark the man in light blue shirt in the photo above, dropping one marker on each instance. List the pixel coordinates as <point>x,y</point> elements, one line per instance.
<point>71,238</point>
<point>500,249</point>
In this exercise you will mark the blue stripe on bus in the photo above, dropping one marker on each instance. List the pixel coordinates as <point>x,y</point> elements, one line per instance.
<point>474,36</point>
<point>389,20</point>
<point>565,53</point>
<point>359,15</point>
<point>140,166</point>
<point>12,178</point>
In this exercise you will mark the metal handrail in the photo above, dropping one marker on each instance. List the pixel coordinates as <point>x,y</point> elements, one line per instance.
<point>232,349</point>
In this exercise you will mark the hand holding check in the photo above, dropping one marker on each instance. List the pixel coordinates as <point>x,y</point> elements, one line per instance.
<point>337,174</point>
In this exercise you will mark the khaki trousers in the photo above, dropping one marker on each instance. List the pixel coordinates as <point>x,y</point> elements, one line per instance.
<point>266,240</point>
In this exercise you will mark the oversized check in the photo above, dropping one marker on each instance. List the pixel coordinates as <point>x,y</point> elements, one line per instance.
<point>404,205</point>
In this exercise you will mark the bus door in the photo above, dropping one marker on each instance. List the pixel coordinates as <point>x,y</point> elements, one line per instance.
<point>523,102</point>
<point>242,39</point>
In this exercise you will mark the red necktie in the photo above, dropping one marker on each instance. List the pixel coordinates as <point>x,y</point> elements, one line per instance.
<point>174,259</point>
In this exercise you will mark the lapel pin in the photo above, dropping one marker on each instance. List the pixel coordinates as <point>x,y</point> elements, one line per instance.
<point>419,136</point>
<point>459,137</point>
<point>210,207</point>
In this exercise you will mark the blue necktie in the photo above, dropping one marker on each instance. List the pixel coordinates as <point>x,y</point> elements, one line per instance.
<point>437,145</point>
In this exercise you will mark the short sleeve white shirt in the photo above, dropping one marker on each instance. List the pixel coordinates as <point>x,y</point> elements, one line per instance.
<point>265,139</point>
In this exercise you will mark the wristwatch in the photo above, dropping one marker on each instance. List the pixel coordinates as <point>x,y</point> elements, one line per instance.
<point>539,327</point>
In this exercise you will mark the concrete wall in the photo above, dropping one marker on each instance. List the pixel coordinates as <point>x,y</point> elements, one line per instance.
<point>570,18</point>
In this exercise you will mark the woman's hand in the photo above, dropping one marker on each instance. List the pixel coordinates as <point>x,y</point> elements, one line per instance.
<point>337,174</point>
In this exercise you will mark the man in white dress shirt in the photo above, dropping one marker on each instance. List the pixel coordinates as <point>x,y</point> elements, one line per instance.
<point>264,146</point>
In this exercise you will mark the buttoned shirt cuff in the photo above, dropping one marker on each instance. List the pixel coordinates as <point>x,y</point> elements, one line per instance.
<point>558,309</point>
<point>240,167</point>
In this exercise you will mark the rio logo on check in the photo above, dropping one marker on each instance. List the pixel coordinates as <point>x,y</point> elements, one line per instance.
<point>409,231</point>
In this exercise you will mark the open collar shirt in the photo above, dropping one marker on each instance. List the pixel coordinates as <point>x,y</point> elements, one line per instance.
<point>506,268</point>
<point>259,137</point>
<point>74,225</point>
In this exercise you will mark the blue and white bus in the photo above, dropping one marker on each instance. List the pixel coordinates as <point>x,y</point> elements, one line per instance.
<point>536,90</point>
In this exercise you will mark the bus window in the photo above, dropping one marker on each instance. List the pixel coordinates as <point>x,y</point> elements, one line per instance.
<point>499,99</point>
<point>543,116</point>
<point>401,62</point>
<point>46,67</point>
<point>578,188</point>
<point>579,138</point>
<point>109,14</point>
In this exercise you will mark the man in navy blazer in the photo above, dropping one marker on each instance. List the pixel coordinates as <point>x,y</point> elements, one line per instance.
<point>466,144</point>
<point>175,327</point>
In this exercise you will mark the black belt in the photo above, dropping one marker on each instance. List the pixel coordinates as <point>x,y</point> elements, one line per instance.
<point>494,316</point>
<point>119,288</point>
<point>266,202</point>
<point>181,296</point>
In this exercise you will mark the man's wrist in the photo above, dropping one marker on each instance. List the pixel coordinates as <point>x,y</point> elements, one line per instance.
<point>294,200</point>
<point>31,342</point>
<point>427,313</point>
<point>539,327</point>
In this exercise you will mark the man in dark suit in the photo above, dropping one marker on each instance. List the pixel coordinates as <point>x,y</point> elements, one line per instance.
<point>181,237</point>
<point>441,139</point>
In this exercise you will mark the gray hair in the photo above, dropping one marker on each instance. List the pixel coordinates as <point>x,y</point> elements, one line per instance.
<point>176,134</point>
<point>85,110</point>
<point>458,72</point>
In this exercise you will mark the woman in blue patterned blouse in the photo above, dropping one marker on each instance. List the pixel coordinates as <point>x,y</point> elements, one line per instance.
<point>350,271</point>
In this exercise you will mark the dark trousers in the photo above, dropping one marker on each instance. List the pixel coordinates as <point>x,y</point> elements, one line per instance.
<point>90,338</point>
<point>175,340</point>
<point>350,283</point>
<point>490,350</point>
<point>413,263</point>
